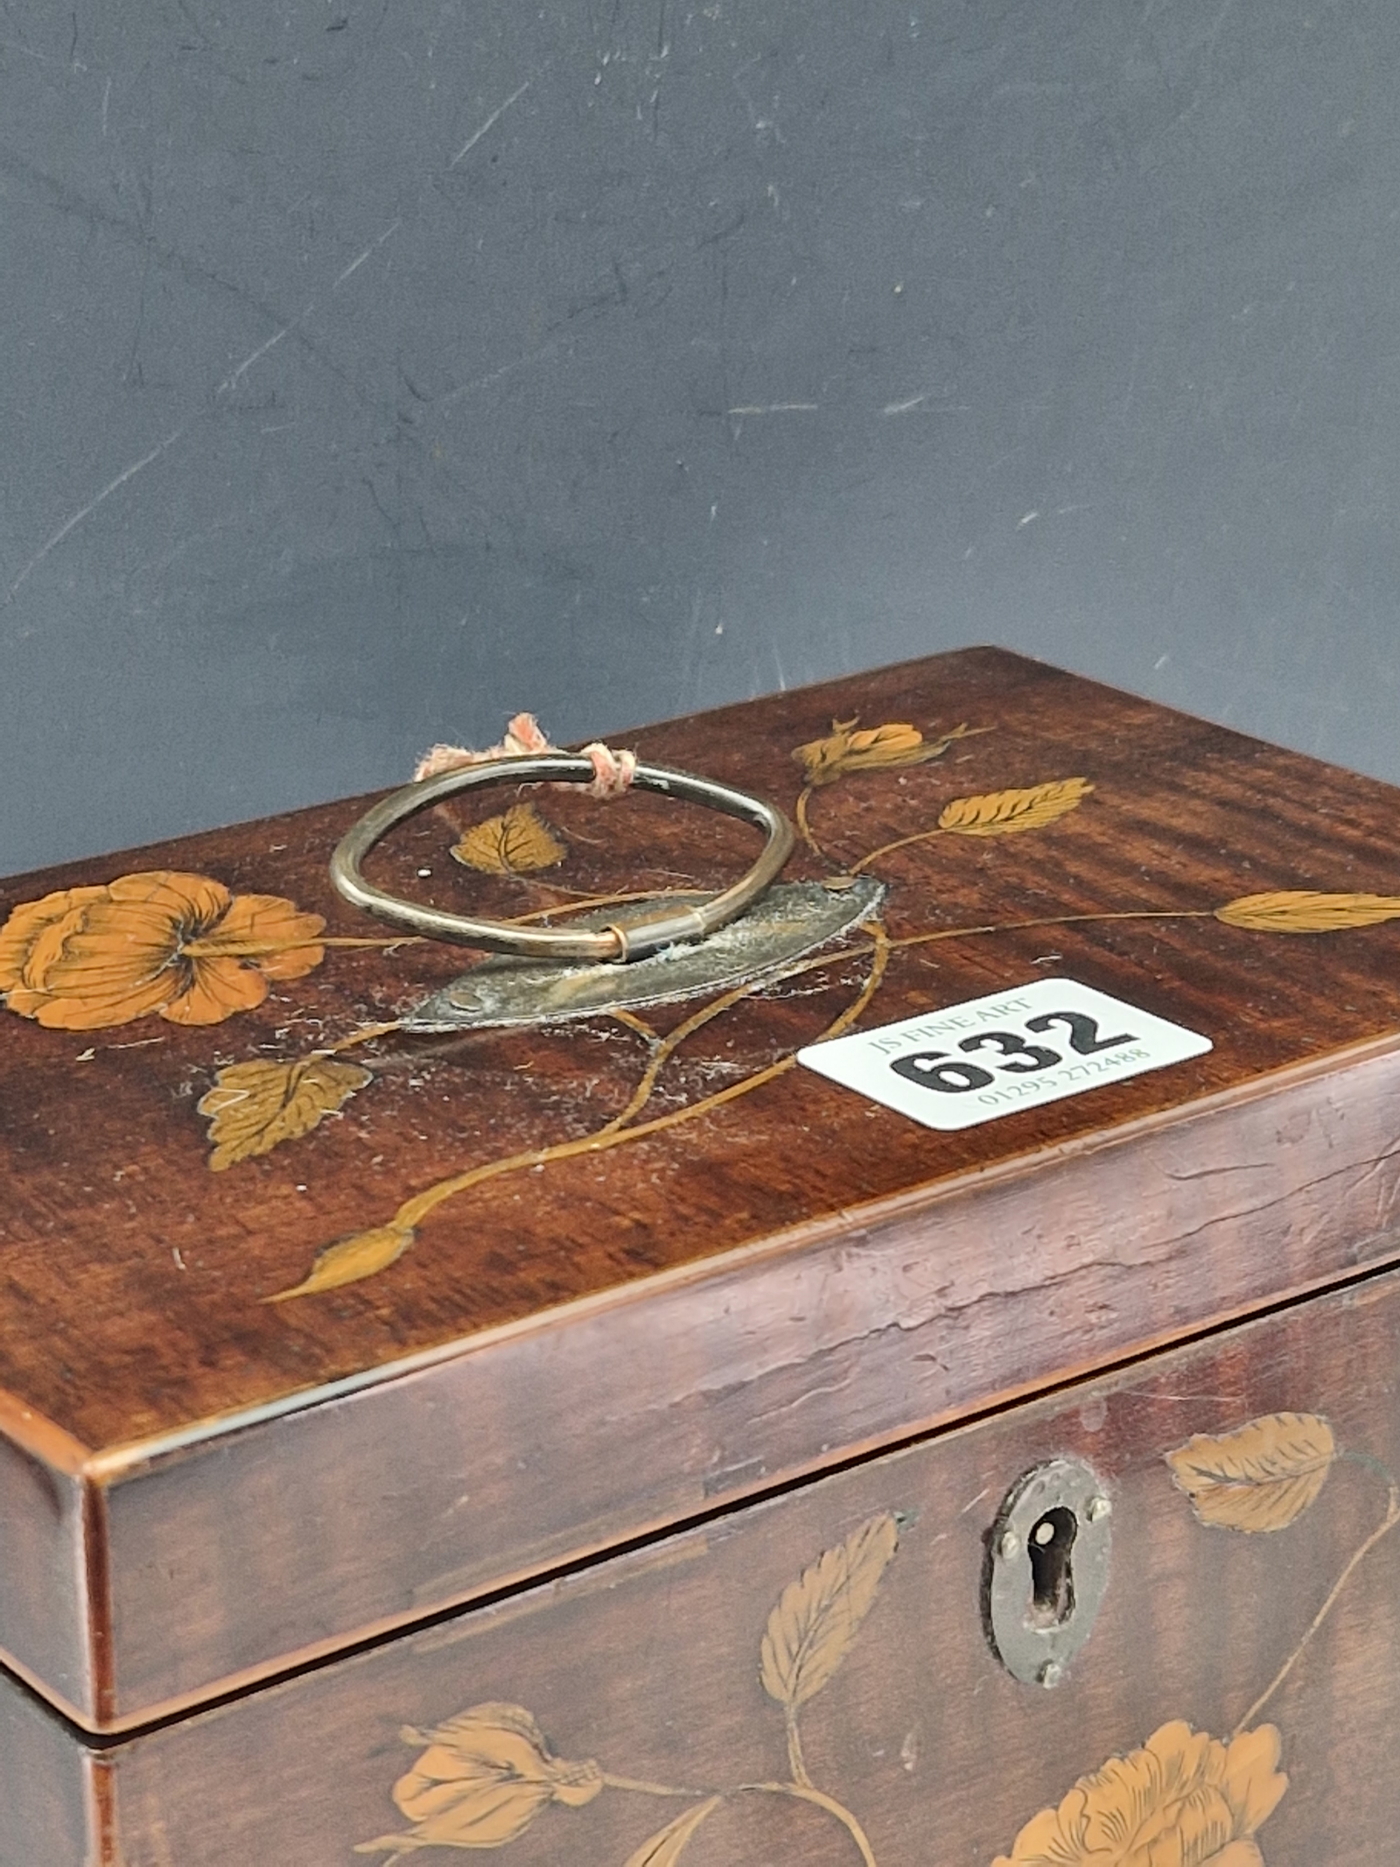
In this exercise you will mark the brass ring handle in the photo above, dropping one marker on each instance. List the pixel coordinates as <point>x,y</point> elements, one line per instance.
<point>627,939</point>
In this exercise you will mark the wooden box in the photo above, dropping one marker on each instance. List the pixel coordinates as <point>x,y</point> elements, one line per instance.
<point>621,1440</point>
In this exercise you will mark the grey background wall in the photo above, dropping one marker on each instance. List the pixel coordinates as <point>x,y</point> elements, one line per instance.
<point>371,368</point>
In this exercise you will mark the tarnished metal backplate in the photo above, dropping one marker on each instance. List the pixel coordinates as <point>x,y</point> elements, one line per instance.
<point>1046,1569</point>
<point>792,919</point>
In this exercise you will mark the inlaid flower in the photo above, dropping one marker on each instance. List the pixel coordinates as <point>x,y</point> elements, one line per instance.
<point>872,748</point>
<point>844,749</point>
<point>181,945</point>
<point>1183,1800</point>
<point>482,1779</point>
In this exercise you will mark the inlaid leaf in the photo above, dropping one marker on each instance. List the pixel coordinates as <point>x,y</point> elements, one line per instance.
<point>1303,911</point>
<point>1259,1478</point>
<point>813,1627</point>
<point>364,1254</point>
<point>517,843</point>
<point>664,1847</point>
<point>257,1106</point>
<point>1003,813</point>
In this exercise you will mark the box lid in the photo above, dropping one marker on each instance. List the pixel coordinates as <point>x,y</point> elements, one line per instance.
<point>549,1336</point>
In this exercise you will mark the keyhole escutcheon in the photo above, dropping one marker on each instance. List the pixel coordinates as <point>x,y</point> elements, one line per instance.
<point>1046,1569</point>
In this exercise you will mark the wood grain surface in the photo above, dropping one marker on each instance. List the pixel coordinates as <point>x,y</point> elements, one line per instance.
<point>589,1349</point>
<point>104,1162</point>
<point>652,1665</point>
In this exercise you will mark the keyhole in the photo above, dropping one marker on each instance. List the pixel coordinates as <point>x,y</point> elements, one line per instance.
<point>1056,1523</point>
<point>1052,1573</point>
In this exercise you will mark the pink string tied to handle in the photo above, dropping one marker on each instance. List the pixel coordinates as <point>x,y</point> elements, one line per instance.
<point>613,772</point>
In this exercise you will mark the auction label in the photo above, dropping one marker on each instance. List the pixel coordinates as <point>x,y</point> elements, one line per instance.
<point>1012,1050</point>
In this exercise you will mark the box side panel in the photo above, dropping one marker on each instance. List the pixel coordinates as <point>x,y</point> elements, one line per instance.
<point>402,1500</point>
<point>48,1813</point>
<point>811,1678</point>
<point>43,1585</point>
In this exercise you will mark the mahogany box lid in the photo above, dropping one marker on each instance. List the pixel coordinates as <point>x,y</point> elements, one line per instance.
<point>312,1326</point>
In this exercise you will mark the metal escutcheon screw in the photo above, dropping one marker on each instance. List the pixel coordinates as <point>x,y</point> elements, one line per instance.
<point>1009,1545</point>
<point>1099,1508</point>
<point>1051,1673</point>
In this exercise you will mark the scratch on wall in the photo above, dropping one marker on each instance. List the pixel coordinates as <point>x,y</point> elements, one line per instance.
<point>774,408</point>
<point>372,248</point>
<point>127,473</point>
<point>489,124</point>
<point>231,381</point>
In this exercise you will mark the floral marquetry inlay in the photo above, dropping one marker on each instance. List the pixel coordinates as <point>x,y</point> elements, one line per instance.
<point>1181,1799</point>
<point>481,1780</point>
<point>180,945</point>
<point>186,948</point>
<point>1184,1799</point>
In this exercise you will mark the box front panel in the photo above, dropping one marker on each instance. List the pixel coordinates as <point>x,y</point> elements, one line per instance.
<point>811,1678</point>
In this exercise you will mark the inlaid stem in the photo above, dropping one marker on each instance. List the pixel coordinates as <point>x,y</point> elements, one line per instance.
<point>264,949</point>
<point>365,1036</point>
<point>805,1793</point>
<point>796,1762</point>
<point>413,1211</point>
<point>580,904</point>
<point>804,826</point>
<point>900,842</point>
<point>1386,1525</point>
<point>652,1789</point>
